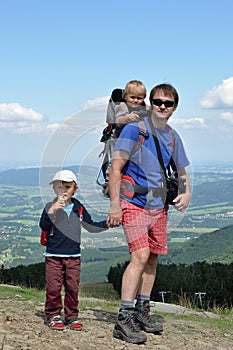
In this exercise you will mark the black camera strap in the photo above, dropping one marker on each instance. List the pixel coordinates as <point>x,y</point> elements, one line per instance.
<point>160,158</point>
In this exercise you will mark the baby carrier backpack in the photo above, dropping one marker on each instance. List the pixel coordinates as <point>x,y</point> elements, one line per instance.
<point>128,187</point>
<point>110,134</point>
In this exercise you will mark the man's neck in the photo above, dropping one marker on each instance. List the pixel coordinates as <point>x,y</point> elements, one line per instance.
<point>159,123</point>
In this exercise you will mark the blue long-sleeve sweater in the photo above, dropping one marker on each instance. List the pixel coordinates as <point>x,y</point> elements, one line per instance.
<point>65,231</point>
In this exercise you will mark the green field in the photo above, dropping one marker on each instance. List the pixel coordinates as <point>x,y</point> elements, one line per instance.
<point>21,207</point>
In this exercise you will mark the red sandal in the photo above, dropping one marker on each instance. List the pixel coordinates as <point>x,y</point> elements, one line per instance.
<point>75,325</point>
<point>56,323</point>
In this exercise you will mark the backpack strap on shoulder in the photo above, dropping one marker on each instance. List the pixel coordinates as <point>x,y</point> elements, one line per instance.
<point>44,235</point>
<point>143,134</point>
<point>80,211</point>
<point>142,131</point>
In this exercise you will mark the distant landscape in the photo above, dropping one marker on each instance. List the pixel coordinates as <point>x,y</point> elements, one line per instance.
<point>204,233</point>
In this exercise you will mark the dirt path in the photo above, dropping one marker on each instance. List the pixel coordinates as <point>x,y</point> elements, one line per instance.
<point>22,328</point>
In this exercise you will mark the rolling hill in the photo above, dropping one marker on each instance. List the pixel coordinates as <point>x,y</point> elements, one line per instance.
<point>216,246</point>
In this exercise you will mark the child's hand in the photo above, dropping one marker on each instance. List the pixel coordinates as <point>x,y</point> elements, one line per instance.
<point>133,117</point>
<point>59,204</point>
<point>114,218</point>
<point>128,118</point>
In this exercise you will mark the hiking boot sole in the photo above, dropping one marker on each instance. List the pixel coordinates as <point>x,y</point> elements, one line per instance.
<point>57,329</point>
<point>119,335</point>
<point>156,330</point>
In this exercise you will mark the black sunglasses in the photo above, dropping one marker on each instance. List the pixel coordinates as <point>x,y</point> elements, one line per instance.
<point>159,103</point>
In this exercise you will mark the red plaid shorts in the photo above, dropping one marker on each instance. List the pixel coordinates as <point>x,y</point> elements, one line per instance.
<point>145,228</point>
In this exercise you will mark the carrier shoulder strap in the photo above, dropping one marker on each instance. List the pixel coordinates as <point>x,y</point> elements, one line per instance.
<point>144,134</point>
<point>80,211</point>
<point>141,136</point>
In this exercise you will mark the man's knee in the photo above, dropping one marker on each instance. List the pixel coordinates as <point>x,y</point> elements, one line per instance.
<point>141,256</point>
<point>153,259</point>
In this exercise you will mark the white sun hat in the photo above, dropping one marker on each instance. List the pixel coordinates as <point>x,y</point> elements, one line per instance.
<point>64,175</point>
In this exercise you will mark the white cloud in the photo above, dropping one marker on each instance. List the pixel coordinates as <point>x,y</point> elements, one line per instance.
<point>95,102</point>
<point>53,127</point>
<point>228,116</point>
<point>16,112</point>
<point>219,96</point>
<point>26,129</point>
<point>20,120</point>
<point>190,123</point>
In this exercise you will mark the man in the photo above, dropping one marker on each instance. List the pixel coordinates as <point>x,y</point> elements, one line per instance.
<point>144,219</point>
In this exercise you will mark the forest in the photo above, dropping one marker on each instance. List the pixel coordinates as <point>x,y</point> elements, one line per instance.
<point>187,283</point>
<point>201,284</point>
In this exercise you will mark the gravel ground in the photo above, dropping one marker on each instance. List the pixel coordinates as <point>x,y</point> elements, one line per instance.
<point>22,328</point>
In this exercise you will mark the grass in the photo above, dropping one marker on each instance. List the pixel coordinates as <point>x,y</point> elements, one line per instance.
<point>21,294</point>
<point>89,295</point>
<point>31,239</point>
<point>98,290</point>
<point>101,291</point>
<point>223,324</point>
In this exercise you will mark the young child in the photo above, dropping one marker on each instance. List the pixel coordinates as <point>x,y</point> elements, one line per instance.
<point>134,105</point>
<point>132,109</point>
<point>63,218</point>
<point>127,105</point>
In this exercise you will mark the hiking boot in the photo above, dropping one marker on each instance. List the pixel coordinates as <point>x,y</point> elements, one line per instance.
<point>56,323</point>
<point>75,325</point>
<point>126,329</point>
<point>148,323</point>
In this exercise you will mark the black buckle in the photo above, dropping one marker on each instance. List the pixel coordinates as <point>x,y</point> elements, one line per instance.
<point>144,134</point>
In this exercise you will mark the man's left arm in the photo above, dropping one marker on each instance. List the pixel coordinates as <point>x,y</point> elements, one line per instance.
<point>183,199</point>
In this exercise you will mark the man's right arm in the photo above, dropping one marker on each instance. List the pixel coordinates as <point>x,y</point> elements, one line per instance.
<point>118,162</point>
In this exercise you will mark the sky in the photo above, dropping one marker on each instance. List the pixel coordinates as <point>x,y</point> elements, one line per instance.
<point>60,60</point>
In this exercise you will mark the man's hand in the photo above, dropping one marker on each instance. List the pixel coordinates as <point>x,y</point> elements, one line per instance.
<point>114,218</point>
<point>182,201</point>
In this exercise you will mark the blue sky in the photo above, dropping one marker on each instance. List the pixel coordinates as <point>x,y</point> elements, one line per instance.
<point>60,58</point>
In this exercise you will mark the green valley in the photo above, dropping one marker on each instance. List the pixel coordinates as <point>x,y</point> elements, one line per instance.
<point>204,233</point>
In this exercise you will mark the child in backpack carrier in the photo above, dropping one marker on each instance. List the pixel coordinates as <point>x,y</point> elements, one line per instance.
<point>125,106</point>
<point>132,106</point>
<point>63,219</point>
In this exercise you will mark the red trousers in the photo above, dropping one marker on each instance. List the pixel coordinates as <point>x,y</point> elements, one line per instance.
<point>62,272</point>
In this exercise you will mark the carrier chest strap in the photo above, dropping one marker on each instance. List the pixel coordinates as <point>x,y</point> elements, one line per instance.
<point>143,190</point>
